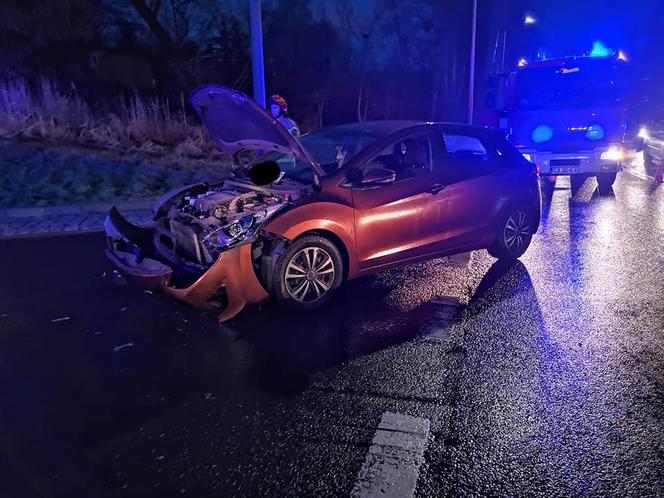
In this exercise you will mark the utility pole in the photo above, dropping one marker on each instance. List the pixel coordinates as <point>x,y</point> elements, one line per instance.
<point>471,78</point>
<point>257,67</point>
<point>502,60</point>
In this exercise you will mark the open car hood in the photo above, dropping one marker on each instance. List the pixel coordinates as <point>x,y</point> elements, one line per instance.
<point>236,123</point>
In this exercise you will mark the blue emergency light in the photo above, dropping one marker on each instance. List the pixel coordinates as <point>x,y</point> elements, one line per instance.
<point>541,134</point>
<point>595,132</point>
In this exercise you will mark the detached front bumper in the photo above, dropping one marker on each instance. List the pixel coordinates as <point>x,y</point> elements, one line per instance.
<point>131,249</point>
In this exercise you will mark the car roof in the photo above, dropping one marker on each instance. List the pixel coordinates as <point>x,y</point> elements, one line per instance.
<point>372,127</point>
<point>389,127</point>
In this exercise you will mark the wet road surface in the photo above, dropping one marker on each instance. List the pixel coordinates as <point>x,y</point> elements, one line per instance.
<point>548,381</point>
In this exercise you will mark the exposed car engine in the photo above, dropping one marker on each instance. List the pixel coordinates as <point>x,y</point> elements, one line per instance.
<point>206,220</point>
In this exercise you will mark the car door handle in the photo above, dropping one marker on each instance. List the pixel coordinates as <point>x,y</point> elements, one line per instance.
<point>437,187</point>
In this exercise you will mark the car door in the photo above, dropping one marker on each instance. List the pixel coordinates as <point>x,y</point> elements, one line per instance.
<point>472,181</point>
<point>389,222</point>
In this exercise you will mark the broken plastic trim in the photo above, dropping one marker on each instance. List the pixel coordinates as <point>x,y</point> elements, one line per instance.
<point>234,271</point>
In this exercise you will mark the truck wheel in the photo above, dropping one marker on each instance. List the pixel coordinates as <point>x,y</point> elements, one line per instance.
<point>548,184</point>
<point>308,273</point>
<point>514,233</point>
<point>576,182</point>
<point>605,182</point>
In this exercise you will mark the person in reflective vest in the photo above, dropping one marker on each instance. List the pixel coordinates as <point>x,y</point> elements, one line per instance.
<point>279,110</point>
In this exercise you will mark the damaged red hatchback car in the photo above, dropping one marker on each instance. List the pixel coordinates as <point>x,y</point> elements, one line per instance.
<point>308,214</point>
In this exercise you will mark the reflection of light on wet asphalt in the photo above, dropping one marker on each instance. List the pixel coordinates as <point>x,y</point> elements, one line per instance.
<point>576,232</point>
<point>634,163</point>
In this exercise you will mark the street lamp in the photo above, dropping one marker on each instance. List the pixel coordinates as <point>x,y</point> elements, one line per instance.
<point>529,19</point>
<point>471,76</point>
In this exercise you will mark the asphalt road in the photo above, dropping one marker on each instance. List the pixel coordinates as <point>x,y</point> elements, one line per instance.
<point>549,380</point>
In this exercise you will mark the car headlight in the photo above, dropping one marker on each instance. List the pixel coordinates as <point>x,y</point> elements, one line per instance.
<point>644,133</point>
<point>613,154</point>
<point>239,227</point>
<point>527,156</point>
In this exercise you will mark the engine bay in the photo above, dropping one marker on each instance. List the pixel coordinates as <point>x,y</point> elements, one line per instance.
<point>206,220</point>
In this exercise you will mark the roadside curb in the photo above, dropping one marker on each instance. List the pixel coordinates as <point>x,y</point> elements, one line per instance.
<point>97,207</point>
<point>35,235</point>
<point>76,219</point>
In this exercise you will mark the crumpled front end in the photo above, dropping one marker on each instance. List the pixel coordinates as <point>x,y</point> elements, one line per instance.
<point>133,251</point>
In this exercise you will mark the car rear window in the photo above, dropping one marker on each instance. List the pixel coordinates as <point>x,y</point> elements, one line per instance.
<point>506,150</point>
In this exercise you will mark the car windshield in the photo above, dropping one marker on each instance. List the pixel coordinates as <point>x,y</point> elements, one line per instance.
<point>586,85</point>
<point>332,148</point>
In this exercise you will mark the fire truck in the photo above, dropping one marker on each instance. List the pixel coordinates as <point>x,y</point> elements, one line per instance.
<point>567,115</point>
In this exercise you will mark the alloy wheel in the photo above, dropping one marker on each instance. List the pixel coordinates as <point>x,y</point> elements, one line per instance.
<point>516,232</point>
<point>309,274</point>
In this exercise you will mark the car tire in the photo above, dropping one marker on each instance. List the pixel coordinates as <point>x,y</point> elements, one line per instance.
<point>308,273</point>
<point>605,182</point>
<point>514,234</point>
<point>576,182</point>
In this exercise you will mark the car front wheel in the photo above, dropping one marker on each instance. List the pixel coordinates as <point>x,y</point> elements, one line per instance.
<point>308,273</point>
<point>514,234</point>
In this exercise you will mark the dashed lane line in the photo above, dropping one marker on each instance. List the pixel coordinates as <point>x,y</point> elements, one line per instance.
<point>393,461</point>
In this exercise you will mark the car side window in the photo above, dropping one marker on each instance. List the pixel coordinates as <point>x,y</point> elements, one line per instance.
<point>408,158</point>
<point>465,147</point>
<point>465,156</point>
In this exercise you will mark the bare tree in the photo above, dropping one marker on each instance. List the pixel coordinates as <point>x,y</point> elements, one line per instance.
<point>363,30</point>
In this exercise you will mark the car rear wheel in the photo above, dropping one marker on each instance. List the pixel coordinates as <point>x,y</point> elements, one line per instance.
<point>514,234</point>
<point>308,273</point>
<point>605,182</point>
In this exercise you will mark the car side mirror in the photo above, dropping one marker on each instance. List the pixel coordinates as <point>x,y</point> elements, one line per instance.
<point>377,176</point>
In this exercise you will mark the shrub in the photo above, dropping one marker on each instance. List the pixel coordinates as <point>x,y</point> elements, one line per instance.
<point>152,125</point>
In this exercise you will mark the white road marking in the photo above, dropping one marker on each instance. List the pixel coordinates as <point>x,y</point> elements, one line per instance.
<point>393,461</point>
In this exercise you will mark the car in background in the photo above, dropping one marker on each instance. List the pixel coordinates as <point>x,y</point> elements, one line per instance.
<point>348,201</point>
<point>653,145</point>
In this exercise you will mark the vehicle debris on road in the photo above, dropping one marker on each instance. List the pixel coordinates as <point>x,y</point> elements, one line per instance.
<point>123,346</point>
